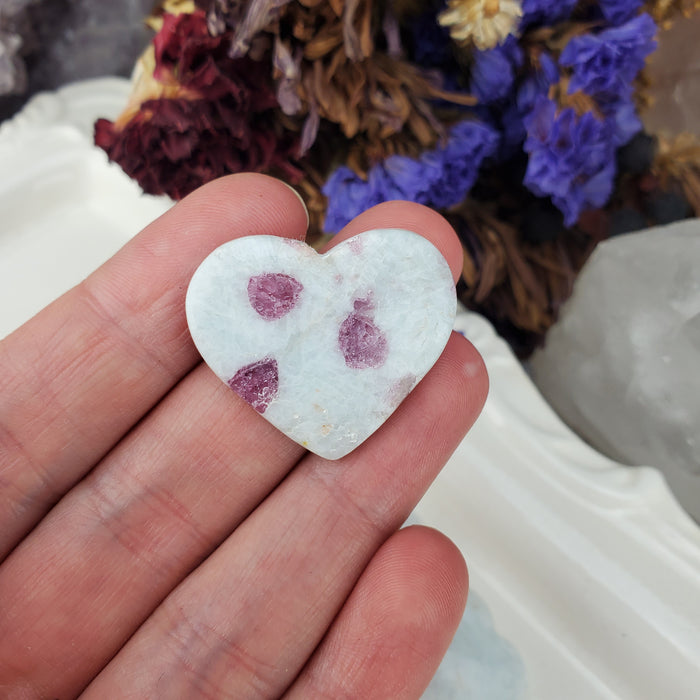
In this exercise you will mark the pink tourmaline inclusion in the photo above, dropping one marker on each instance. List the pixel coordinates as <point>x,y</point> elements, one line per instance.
<point>257,383</point>
<point>361,341</point>
<point>273,295</point>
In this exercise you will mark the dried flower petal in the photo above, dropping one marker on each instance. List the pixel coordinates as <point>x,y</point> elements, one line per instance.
<point>485,23</point>
<point>357,40</point>
<point>198,114</point>
<point>326,67</point>
<point>440,177</point>
<point>287,73</point>
<point>173,146</point>
<point>258,15</point>
<point>546,12</point>
<point>169,7</point>
<point>572,158</point>
<point>607,63</point>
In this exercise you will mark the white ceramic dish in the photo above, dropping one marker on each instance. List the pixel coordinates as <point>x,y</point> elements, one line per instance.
<point>585,574</point>
<point>63,208</point>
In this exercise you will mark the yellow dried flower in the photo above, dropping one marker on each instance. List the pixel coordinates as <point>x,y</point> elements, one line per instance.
<point>485,23</point>
<point>171,7</point>
<point>145,87</point>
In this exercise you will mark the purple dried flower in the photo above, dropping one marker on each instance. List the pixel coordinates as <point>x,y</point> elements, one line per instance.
<point>494,71</point>
<point>535,85</point>
<point>572,159</point>
<point>617,12</point>
<point>348,195</point>
<point>546,11</point>
<point>401,177</point>
<point>621,114</point>
<point>605,64</point>
<point>440,177</point>
<point>458,163</point>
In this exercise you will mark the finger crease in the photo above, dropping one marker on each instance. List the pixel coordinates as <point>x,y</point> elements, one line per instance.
<point>108,318</point>
<point>46,491</point>
<point>199,648</point>
<point>155,497</point>
<point>374,521</point>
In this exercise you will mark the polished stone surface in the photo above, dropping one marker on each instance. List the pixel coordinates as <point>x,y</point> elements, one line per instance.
<point>325,347</point>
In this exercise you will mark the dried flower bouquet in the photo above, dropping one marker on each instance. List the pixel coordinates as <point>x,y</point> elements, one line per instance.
<point>517,119</point>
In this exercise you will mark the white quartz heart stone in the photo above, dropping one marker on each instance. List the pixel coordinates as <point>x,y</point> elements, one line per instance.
<point>325,347</point>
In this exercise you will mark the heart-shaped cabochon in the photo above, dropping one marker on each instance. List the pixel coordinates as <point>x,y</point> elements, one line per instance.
<point>325,347</point>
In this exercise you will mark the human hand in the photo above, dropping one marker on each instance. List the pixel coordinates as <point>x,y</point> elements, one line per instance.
<point>161,540</point>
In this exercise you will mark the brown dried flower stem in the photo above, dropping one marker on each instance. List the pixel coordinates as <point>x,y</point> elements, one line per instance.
<point>665,11</point>
<point>511,281</point>
<point>678,161</point>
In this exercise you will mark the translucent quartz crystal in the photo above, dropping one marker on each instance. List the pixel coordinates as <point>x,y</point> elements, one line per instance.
<point>621,365</point>
<point>325,347</point>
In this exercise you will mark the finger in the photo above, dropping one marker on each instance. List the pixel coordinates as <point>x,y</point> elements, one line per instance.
<point>127,534</point>
<point>77,376</point>
<point>246,621</point>
<point>172,489</point>
<point>395,627</point>
<point>411,217</point>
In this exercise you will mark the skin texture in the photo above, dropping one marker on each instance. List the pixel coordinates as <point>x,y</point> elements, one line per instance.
<point>158,538</point>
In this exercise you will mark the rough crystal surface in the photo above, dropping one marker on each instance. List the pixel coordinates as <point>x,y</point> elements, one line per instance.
<point>621,365</point>
<point>257,383</point>
<point>273,295</point>
<point>362,342</point>
<point>325,347</point>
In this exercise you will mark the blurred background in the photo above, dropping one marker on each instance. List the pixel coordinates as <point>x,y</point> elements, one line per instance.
<point>60,41</point>
<point>67,40</point>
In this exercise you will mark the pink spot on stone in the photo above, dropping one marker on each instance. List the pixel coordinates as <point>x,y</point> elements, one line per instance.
<point>362,342</point>
<point>273,295</point>
<point>356,245</point>
<point>402,388</point>
<point>363,304</point>
<point>257,383</point>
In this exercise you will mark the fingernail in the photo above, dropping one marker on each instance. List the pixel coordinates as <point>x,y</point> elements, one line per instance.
<point>301,199</point>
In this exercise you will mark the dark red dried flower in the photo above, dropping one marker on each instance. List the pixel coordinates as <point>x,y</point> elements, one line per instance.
<point>173,146</point>
<point>185,52</point>
<point>208,115</point>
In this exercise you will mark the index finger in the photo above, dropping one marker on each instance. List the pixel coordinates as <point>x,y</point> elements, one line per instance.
<point>83,371</point>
